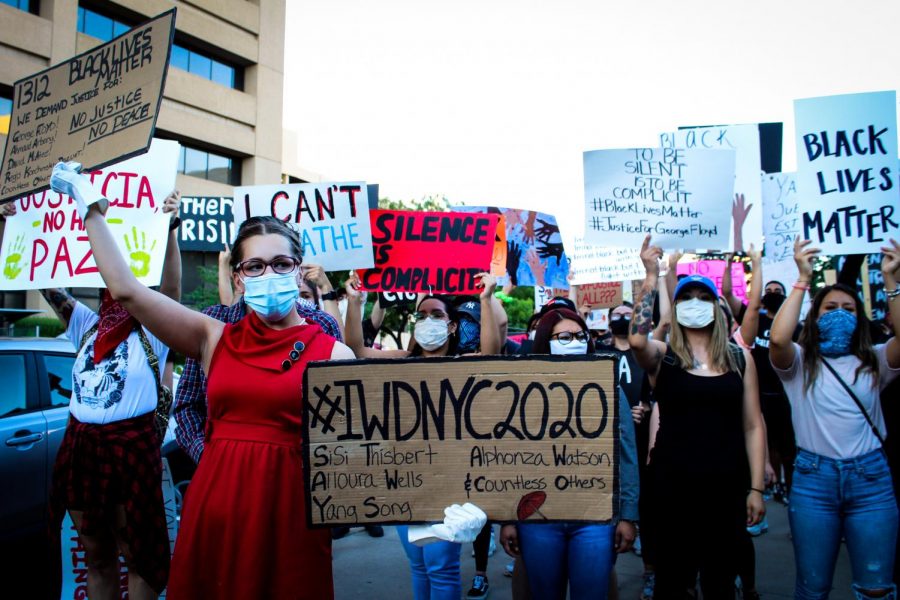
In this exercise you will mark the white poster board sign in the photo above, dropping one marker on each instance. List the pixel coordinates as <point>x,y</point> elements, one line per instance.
<point>781,215</point>
<point>847,171</point>
<point>332,219</point>
<point>592,263</point>
<point>744,140</point>
<point>45,243</point>
<point>679,196</point>
<point>598,319</point>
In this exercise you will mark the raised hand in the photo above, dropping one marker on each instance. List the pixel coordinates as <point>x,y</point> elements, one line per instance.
<point>804,257</point>
<point>315,274</point>
<point>650,256</point>
<point>890,262</point>
<point>8,209</point>
<point>172,205</point>
<point>739,214</point>
<point>487,283</point>
<point>352,286</point>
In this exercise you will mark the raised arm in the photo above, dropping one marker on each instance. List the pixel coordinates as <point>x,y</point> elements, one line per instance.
<point>754,441</point>
<point>728,287</point>
<point>890,268</point>
<point>170,284</point>
<point>781,345</point>
<point>223,277</point>
<point>665,306</point>
<point>750,324</point>
<point>186,331</point>
<point>490,331</point>
<point>353,332</point>
<point>672,275</point>
<point>61,302</point>
<point>316,276</point>
<point>648,353</point>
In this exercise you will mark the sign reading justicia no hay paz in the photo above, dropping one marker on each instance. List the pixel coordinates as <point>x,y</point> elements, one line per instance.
<point>524,438</point>
<point>682,197</point>
<point>96,108</point>
<point>847,171</point>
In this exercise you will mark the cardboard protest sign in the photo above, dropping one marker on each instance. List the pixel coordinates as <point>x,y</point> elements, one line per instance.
<point>747,226</point>
<point>207,223</point>
<point>715,270</point>
<point>781,215</point>
<point>390,299</point>
<point>847,171</point>
<point>432,252</point>
<point>534,249</point>
<point>598,319</point>
<point>679,196</point>
<point>592,263</point>
<point>543,295</point>
<point>332,219</point>
<point>396,441</point>
<point>600,295</point>
<point>45,243</point>
<point>74,563</point>
<point>96,108</point>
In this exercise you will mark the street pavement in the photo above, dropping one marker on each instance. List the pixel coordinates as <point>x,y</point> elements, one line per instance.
<point>375,569</point>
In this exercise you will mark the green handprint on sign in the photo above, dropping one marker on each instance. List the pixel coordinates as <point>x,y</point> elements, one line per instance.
<point>12,268</point>
<point>139,255</point>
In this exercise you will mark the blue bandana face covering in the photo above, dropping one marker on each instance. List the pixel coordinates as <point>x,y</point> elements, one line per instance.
<point>836,327</point>
<point>272,296</point>
<point>469,335</point>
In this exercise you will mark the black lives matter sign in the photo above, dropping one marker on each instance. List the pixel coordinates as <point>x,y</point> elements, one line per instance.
<point>96,108</point>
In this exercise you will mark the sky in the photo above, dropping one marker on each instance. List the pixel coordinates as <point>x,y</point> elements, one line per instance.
<point>493,102</point>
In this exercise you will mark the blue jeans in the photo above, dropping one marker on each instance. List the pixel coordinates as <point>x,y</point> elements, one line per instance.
<point>852,497</point>
<point>435,568</point>
<point>555,552</point>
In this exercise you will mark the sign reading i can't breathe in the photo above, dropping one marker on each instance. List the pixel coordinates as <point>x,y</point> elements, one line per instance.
<point>847,171</point>
<point>396,441</point>
<point>681,197</point>
<point>96,108</point>
<point>431,252</point>
<point>332,219</point>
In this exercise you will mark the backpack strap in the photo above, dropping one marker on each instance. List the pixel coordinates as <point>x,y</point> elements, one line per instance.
<point>738,353</point>
<point>87,334</point>
<point>163,394</point>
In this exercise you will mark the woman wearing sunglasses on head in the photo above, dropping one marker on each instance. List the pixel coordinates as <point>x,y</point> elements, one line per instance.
<point>708,453</point>
<point>243,532</point>
<point>579,556</point>
<point>833,377</point>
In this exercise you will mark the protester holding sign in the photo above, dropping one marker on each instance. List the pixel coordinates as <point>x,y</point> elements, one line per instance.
<point>709,450</point>
<point>246,492</point>
<point>580,555</point>
<point>842,485</point>
<point>108,471</point>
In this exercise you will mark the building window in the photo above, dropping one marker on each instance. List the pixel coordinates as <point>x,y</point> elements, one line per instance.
<point>26,5</point>
<point>105,28</point>
<point>208,165</point>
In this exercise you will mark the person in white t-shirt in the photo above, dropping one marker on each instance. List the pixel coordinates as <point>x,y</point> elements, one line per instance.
<point>842,485</point>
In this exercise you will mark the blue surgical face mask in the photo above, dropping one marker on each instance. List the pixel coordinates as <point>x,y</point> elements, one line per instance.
<point>836,328</point>
<point>272,296</point>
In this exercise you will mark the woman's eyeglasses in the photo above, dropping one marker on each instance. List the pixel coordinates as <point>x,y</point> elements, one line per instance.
<point>294,356</point>
<point>437,315</point>
<point>566,337</point>
<point>256,267</point>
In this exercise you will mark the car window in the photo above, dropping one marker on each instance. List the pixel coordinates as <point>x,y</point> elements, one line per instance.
<point>12,384</point>
<point>59,373</point>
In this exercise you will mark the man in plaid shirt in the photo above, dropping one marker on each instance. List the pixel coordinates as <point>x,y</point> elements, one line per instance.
<point>190,399</point>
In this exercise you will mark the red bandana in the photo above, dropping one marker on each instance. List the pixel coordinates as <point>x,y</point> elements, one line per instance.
<point>115,325</point>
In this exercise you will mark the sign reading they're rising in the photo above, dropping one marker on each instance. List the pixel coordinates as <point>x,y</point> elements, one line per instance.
<point>96,108</point>
<point>396,441</point>
<point>430,252</point>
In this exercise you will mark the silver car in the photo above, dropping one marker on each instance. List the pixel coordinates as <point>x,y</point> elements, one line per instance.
<point>35,387</point>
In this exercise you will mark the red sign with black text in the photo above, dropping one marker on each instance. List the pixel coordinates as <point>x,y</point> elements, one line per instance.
<point>429,252</point>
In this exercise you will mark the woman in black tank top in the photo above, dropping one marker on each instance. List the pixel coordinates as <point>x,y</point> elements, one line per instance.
<point>708,459</point>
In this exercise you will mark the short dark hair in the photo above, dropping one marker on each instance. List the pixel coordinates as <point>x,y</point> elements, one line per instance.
<point>264,226</point>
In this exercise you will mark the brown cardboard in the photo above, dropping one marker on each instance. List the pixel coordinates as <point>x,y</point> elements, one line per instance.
<point>96,108</point>
<point>600,295</point>
<point>349,466</point>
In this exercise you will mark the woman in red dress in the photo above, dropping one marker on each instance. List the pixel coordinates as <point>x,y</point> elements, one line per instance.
<point>243,529</point>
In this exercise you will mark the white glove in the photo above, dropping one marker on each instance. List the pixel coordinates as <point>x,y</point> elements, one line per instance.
<point>462,524</point>
<point>67,179</point>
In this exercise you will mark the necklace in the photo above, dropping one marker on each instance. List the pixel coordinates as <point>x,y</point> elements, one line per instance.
<point>699,365</point>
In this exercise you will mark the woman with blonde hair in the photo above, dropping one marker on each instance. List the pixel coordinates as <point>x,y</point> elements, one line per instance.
<point>707,436</point>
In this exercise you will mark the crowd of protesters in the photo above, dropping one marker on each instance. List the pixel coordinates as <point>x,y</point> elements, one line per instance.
<point>728,403</point>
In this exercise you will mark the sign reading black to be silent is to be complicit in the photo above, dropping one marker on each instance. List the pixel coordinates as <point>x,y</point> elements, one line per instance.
<point>397,441</point>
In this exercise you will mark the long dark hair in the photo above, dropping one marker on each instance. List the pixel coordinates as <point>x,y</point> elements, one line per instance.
<point>860,342</point>
<point>545,326</point>
<point>453,340</point>
<point>263,226</point>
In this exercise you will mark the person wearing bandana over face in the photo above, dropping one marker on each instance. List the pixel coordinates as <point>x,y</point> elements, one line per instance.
<point>108,470</point>
<point>242,529</point>
<point>707,437</point>
<point>842,486</point>
<point>577,556</point>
